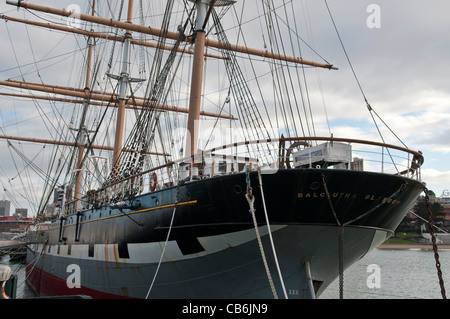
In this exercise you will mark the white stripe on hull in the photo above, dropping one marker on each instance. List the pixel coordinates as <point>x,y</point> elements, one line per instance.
<point>143,253</point>
<point>230,266</point>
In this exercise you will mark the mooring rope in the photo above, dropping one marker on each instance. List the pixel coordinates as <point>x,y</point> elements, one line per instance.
<point>270,234</point>
<point>165,244</point>
<point>251,200</point>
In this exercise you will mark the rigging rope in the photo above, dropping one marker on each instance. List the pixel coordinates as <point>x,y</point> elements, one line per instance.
<point>249,115</point>
<point>143,132</point>
<point>263,101</point>
<point>426,221</point>
<point>369,107</point>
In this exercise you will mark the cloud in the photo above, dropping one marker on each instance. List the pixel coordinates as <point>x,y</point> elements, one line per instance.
<point>436,180</point>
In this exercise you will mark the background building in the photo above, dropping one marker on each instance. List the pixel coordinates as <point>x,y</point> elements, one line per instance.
<point>21,213</point>
<point>445,202</point>
<point>5,206</point>
<point>357,164</point>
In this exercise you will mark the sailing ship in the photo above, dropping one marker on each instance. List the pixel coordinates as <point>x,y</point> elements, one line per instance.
<point>270,210</point>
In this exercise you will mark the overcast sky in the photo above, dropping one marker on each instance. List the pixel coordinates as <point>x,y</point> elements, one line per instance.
<point>400,53</point>
<point>403,67</point>
<point>399,50</point>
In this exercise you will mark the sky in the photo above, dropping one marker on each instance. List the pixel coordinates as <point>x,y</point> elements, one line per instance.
<point>400,59</point>
<point>403,69</point>
<point>398,50</point>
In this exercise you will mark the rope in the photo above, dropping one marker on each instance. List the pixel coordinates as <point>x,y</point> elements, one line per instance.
<point>251,200</point>
<point>270,234</point>
<point>165,245</point>
<point>426,221</point>
<point>34,263</point>
<point>369,107</point>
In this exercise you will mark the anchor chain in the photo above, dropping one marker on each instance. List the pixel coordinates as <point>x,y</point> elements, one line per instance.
<point>341,262</point>
<point>435,248</point>
<point>329,200</point>
<point>340,241</point>
<point>341,228</point>
<point>384,201</point>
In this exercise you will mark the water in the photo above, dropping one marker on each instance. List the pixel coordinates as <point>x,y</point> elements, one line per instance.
<point>403,274</point>
<point>23,289</point>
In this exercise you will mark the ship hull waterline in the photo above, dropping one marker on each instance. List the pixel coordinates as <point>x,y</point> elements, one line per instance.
<point>212,251</point>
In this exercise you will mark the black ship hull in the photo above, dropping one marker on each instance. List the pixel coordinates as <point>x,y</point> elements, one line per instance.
<point>212,249</point>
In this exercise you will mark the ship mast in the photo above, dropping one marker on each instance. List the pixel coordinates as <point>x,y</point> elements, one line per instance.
<point>204,8</point>
<point>82,130</point>
<point>123,83</point>
<point>197,78</point>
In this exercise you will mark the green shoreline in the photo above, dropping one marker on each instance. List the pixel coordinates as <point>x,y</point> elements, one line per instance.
<point>411,245</point>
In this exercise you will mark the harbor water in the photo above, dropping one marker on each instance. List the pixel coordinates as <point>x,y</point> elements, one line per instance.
<point>381,274</point>
<point>23,289</point>
<point>394,274</point>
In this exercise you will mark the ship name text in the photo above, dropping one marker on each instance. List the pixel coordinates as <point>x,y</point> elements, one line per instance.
<point>352,196</point>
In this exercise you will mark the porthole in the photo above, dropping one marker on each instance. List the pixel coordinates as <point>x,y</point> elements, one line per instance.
<point>314,186</point>
<point>237,189</point>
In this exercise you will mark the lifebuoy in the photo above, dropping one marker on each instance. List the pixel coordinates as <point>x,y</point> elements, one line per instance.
<point>153,182</point>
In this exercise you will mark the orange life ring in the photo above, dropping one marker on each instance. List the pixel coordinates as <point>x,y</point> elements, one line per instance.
<point>153,182</point>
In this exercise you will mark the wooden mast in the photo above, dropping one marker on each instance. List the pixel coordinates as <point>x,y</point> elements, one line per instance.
<point>197,79</point>
<point>82,130</point>
<point>203,8</point>
<point>123,83</point>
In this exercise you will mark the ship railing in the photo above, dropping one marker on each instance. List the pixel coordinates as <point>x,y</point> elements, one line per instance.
<point>363,155</point>
<point>145,182</point>
<point>233,158</point>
